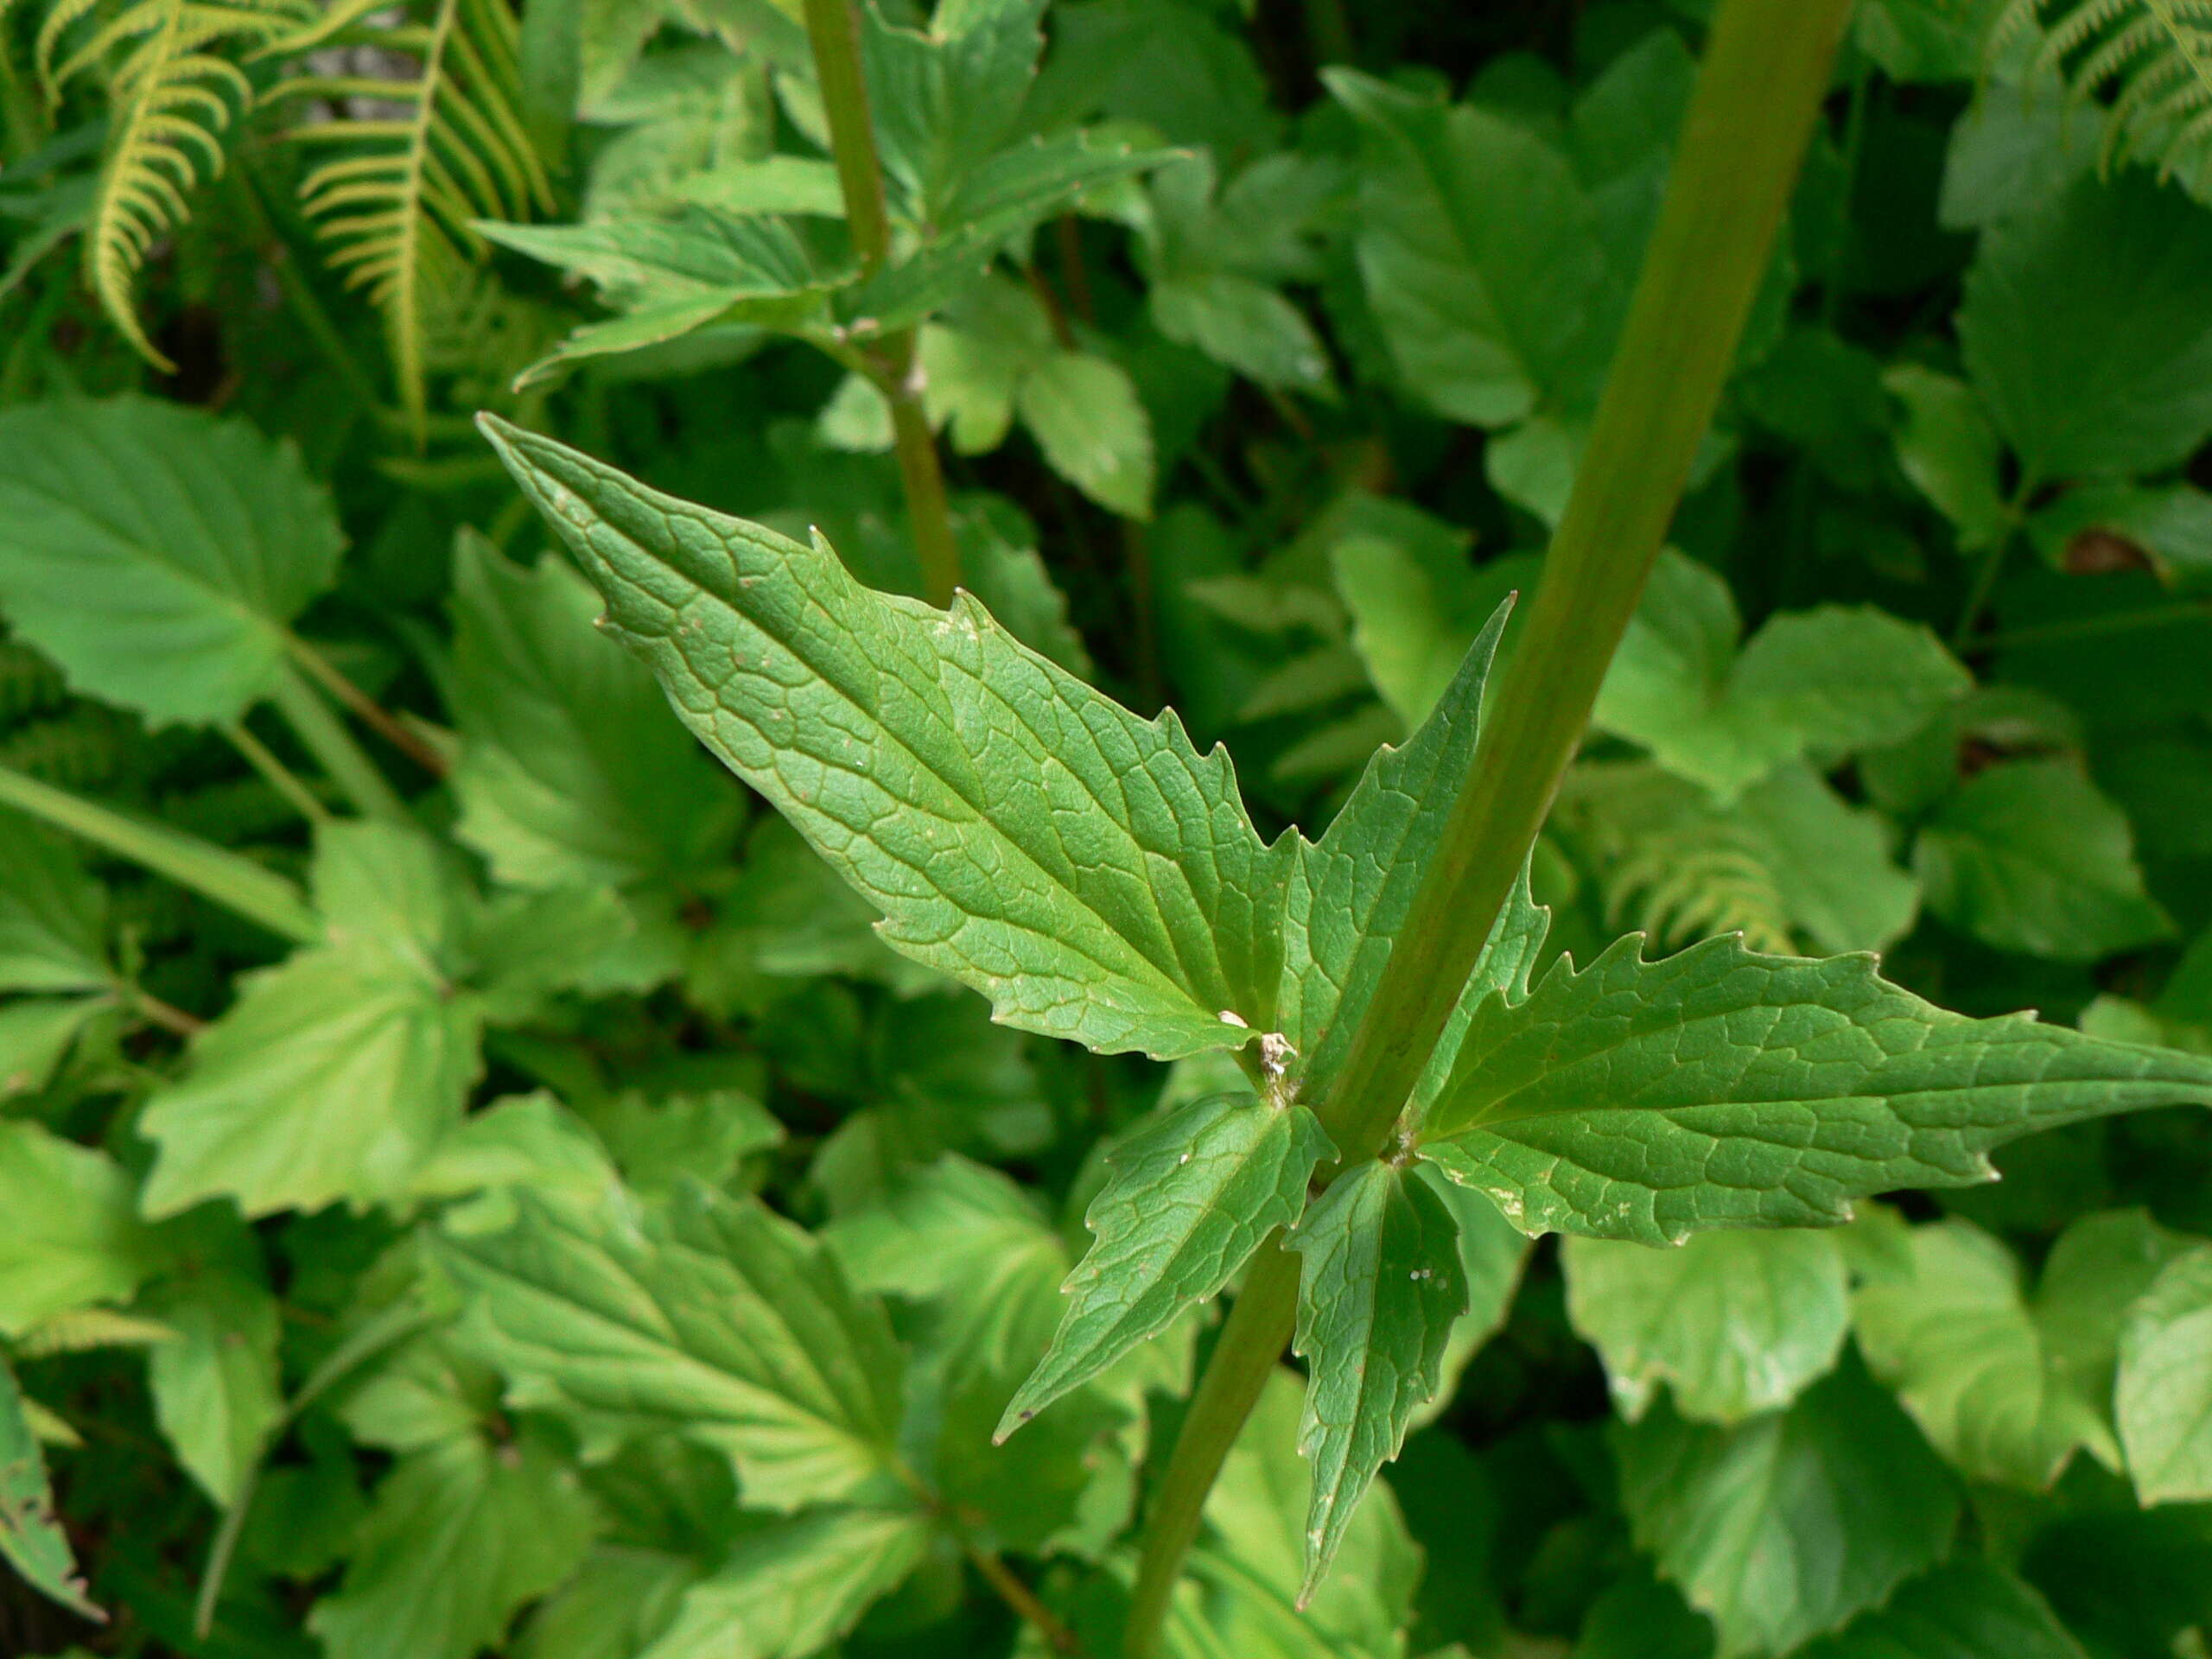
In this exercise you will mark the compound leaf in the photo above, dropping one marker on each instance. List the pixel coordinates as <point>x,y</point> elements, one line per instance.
<point>1648,1100</point>
<point>1379,1290</point>
<point>459,1536</point>
<point>711,1318</point>
<point>1120,897</point>
<point>1191,1196</point>
<point>336,1071</point>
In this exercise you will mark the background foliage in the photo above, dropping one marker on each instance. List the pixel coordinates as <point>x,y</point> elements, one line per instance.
<point>513,1201</point>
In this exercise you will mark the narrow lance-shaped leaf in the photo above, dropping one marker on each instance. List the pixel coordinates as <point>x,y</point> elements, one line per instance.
<point>1191,1196</point>
<point>1088,871</point>
<point>1382,1285</point>
<point>1720,1087</point>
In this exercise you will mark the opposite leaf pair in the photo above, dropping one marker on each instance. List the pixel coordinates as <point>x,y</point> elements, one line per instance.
<point>1099,880</point>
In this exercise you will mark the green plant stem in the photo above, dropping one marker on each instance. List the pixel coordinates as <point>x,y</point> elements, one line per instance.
<point>274,772</point>
<point>237,884</point>
<point>366,709</point>
<point>1021,1599</point>
<point>166,1015</point>
<point>324,735</point>
<point>834,30</point>
<point>1759,90</point>
<point>379,1332</point>
<point>1251,1341</point>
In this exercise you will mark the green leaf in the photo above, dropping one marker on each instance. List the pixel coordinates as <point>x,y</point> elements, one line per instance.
<point>1126,904</point>
<point>1351,894</point>
<point>1825,683</point>
<point>1648,1100</point>
<point>31,1539</point>
<point>1492,1254</point>
<point>711,1318</point>
<point>218,1396</point>
<point>794,1588</point>
<point>1480,254</point>
<point>1379,1291</point>
<point>1965,1609</point>
<point>337,1072</point>
<point>1732,1324</point>
<point>2032,856</point>
<point>1192,1195</point>
<point>1961,1344</point>
<point>1245,325</point>
<point>157,553</point>
<point>457,1538</point>
<point>2164,1398</point>
<point>1949,450</point>
<point>969,1244</point>
<point>72,1237</point>
<point>34,1035</point>
<point>570,772</point>
<point>1786,1526</point>
<point>1086,416</point>
<point>2085,329</point>
<point>944,98</point>
<point>660,1142</point>
<point>53,915</point>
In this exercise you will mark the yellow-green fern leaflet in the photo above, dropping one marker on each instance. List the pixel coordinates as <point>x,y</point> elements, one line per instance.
<point>410,162</point>
<point>170,98</point>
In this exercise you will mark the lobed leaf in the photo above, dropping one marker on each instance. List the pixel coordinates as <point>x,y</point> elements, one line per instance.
<point>713,1318</point>
<point>1648,1100</point>
<point>1088,871</point>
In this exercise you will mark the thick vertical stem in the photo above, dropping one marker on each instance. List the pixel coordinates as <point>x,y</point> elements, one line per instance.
<point>833,29</point>
<point>1251,1341</point>
<point>1766,71</point>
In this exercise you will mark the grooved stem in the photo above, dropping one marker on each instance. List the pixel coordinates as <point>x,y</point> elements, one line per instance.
<point>1766,71</point>
<point>833,29</point>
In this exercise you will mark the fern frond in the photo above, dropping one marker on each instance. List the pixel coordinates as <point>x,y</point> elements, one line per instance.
<point>1670,864</point>
<point>2148,62</point>
<point>410,162</point>
<point>171,99</point>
